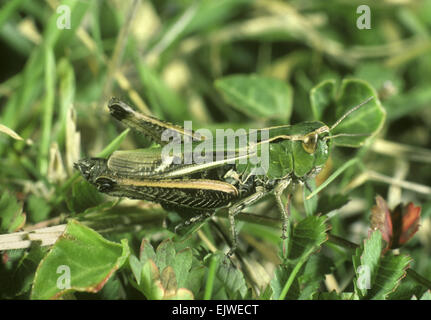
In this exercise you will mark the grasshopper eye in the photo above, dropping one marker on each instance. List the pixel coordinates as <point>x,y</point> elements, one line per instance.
<point>105,184</point>
<point>310,143</point>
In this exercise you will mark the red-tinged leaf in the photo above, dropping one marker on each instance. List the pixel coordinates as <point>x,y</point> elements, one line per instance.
<point>410,217</point>
<point>397,226</point>
<point>381,219</point>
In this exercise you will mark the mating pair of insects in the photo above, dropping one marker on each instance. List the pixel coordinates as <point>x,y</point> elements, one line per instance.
<point>197,190</point>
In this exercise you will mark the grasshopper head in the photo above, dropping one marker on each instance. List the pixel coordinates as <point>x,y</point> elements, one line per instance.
<point>119,109</point>
<point>311,141</point>
<point>308,147</point>
<point>91,168</point>
<point>315,148</point>
<point>95,171</point>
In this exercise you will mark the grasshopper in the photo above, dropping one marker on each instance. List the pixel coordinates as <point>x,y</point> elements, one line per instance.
<point>296,153</point>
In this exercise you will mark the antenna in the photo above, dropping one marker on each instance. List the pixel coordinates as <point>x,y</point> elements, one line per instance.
<point>347,135</point>
<point>350,111</point>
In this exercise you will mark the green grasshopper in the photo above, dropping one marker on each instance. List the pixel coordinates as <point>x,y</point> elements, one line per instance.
<point>296,153</point>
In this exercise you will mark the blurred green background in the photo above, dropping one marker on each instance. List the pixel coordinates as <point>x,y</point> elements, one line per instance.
<point>56,76</point>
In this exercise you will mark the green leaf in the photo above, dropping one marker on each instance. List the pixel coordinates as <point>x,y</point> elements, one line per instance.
<point>322,97</point>
<point>278,283</point>
<point>313,275</point>
<point>377,276</point>
<point>113,145</point>
<point>11,216</point>
<point>38,208</point>
<point>310,205</point>
<point>182,265</point>
<point>367,120</point>
<point>112,290</point>
<point>327,296</point>
<point>328,203</point>
<point>17,271</point>
<point>257,96</point>
<point>48,109</point>
<point>306,237</point>
<point>368,259</point>
<point>407,289</point>
<point>336,296</point>
<point>136,267</point>
<point>80,260</point>
<point>266,294</point>
<point>67,88</point>
<point>151,285</point>
<point>165,273</point>
<point>308,234</point>
<point>84,196</point>
<point>165,254</point>
<point>195,280</point>
<point>146,251</point>
<point>230,280</point>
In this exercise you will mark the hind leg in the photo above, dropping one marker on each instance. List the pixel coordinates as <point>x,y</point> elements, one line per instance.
<point>194,220</point>
<point>235,209</point>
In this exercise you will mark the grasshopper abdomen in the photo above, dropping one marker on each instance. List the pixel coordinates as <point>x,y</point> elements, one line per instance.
<point>187,192</point>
